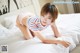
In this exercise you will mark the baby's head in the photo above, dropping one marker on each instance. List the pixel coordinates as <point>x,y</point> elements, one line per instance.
<point>49,13</point>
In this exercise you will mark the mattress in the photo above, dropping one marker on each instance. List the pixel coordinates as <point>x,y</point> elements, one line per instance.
<point>68,24</point>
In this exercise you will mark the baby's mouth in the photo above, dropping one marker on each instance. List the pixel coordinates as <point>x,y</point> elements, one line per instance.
<point>44,24</point>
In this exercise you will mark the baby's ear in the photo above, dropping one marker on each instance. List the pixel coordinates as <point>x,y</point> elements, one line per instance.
<point>52,21</point>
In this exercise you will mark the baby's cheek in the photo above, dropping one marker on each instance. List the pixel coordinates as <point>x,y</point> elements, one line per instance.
<point>48,22</point>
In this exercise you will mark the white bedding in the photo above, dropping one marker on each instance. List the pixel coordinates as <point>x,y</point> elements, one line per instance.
<point>68,25</point>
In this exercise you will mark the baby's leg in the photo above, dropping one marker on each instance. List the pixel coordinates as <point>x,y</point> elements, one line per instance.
<point>24,29</point>
<point>27,33</point>
<point>32,33</point>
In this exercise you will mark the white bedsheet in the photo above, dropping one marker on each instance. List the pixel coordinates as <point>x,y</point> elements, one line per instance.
<point>69,26</point>
<point>35,46</point>
<point>38,48</point>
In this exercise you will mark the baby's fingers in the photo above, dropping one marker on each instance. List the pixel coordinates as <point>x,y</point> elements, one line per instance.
<point>67,44</point>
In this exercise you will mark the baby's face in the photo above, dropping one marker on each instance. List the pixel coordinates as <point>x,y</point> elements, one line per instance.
<point>46,19</point>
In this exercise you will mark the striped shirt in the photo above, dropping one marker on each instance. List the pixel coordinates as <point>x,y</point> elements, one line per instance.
<point>34,24</point>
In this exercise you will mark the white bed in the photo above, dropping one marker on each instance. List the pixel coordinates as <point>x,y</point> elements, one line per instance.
<point>68,25</point>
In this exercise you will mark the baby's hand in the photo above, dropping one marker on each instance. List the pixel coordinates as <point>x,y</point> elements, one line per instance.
<point>64,43</point>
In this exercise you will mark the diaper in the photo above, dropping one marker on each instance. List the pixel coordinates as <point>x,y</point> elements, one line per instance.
<point>22,15</point>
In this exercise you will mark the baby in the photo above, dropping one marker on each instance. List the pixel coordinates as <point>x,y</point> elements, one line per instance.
<point>34,22</point>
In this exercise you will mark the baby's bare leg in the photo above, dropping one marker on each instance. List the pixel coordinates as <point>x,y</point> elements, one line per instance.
<point>24,29</point>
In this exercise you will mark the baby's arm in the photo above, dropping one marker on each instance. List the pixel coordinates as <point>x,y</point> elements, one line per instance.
<point>64,43</point>
<point>55,30</point>
<point>49,41</point>
<point>39,35</point>
<point>43,39</point>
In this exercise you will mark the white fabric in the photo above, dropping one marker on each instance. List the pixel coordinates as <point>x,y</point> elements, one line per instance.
<point>9,22</point>
<point>68,39</point>
<point>69,26</point>
<point>3,32</point>
<point>70,23</point>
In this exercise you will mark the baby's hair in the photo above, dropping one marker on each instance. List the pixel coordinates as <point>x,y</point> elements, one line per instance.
<point>50,8</point>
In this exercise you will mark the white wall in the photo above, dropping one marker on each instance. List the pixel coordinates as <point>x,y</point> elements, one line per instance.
<point>28,7</point>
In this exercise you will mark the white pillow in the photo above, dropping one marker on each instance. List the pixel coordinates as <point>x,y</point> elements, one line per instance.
<point>9,22</point>
<point>8,36</point>
<point>3,32</point>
